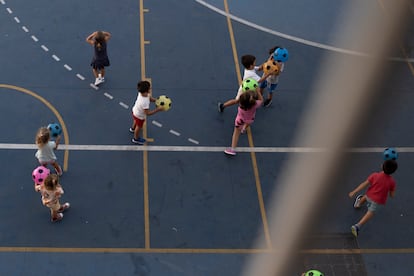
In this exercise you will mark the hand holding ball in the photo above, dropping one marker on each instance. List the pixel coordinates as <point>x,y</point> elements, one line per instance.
<point>55,129</point>
<point>271,67</point>
<point>249,85</point>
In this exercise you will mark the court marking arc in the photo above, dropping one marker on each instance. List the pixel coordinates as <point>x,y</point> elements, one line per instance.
<point>53,109</point>
<point>80,76</point>
<point>291,37</point>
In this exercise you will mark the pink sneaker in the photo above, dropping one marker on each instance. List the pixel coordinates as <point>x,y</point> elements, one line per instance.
<point>230,151</point>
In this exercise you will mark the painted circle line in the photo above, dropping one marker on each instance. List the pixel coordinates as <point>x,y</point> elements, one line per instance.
<point>293,38</point>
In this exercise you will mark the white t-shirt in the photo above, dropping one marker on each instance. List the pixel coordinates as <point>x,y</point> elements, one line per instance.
<point>46,153</point>
<point>140,105</point>
<point>248,74</point>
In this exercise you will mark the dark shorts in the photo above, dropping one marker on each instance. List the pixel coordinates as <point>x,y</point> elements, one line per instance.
<point>100,64</point>
<point>271,86</point>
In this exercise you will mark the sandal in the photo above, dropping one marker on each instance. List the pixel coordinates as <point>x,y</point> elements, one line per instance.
<point>59,217</point>
<point>63,207</point>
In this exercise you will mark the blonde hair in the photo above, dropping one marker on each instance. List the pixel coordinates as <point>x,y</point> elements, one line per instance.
<point>42,136</point>
<point>51,182</point>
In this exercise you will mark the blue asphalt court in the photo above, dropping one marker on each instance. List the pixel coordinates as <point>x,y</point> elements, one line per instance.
<point>178,205</point>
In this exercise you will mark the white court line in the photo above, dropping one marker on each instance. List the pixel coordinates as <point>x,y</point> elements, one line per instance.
<point>25,29</point>
<point>294,38</point>
<point>80,76</point>
<point>55,57</point>
<point>193,141</point>
<point>45,48</point>
<point>35,39</point>
<point>2,1</point>
<point>9,146</point>
<point>158,124</point>
<point>123,105</point>
<point>67,67</point>
<point>109,96</point>
<point>16,19</point>
<point>9,10</point>
<point>174,132</point>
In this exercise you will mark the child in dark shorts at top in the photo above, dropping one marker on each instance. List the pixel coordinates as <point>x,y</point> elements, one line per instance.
<point>100,60</point>
<point>380,185</point>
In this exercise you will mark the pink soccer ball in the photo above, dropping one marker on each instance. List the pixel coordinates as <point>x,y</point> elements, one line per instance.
<point>39,174</point>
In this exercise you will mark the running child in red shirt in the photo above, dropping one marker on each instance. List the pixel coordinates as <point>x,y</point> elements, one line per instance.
<point>380,185</point>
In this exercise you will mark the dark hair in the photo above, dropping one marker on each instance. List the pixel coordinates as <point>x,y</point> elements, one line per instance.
<point>99,39</point>
<point>248,60</point>
<point>272,50</point>
<point>389,166</point>
<point>247,100</point>
<point>143,86</point>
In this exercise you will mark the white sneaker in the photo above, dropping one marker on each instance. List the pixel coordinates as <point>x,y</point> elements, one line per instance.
<point>98,81</point>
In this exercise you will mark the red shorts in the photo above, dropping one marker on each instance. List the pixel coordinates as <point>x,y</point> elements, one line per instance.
<point>138,121</point>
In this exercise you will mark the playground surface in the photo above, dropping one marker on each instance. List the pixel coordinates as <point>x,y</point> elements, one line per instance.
<point>179,205</point>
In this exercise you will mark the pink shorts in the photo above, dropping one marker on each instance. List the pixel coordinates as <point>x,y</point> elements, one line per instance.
<point>138,121</point>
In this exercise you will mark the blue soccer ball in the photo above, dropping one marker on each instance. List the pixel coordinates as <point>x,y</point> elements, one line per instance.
<point>281,55</point>
<point>55,129</point>
<point>390,154</point>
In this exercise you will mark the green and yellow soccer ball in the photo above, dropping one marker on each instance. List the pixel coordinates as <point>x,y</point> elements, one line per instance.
<point>249,85</point>
<point>313,272</point>
<point>163,101</point>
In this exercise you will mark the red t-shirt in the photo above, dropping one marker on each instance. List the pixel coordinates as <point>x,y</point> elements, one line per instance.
<point>380,185</point>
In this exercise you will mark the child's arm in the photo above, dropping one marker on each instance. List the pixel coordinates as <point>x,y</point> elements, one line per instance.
<point>57,141</point>
<point>107,35</point>
<point>259,94</point>
<point>361,186</point>
<point>90,37</point>
<point>152,112</point>
<point>264,77</point>
<point>392,193</point>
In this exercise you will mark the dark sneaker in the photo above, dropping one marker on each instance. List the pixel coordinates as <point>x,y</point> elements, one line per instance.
<point>139,141</point>
<point>357,203</point>
<point>355,230</point>
<point>230,151</point>
<point>131,130</point>
<point>267,102</point>
<point>220,107</point>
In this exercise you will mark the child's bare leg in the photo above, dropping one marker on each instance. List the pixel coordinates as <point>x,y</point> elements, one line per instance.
<point>230,102</point>
<point>133,124</point>
<point>269,96</point>
<point>55,214</point>
<point>102,72</point>
<point>368,215</point>
<point>136,132</point>
<point>235,138</point>
<point>58,169</point>
<point>95,72</point>
<point>362,200</point>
